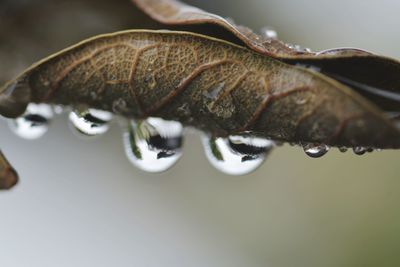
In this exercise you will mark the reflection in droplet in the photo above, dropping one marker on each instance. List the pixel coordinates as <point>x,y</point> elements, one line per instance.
<point>315,150</point>
<point>34,123</point>
<point>237,155</point>
<point>90,122</point>
<point>154,145</point>
<point>359,150</point>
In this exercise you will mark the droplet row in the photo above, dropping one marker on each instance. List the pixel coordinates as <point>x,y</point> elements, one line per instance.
<point>155,145</point>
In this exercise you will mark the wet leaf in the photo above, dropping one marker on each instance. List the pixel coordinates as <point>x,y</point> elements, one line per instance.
<point>225,89</point>
<point>8,176</point>
<point>375,77</point>
<point>337,97</point>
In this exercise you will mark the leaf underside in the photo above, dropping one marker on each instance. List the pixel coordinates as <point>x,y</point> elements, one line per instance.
<point>204,82</point>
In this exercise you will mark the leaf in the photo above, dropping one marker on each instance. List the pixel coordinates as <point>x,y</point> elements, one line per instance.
<point>375,77</point>
<point>8,176</point>
<point>225,89</point>
<point>173,12</point>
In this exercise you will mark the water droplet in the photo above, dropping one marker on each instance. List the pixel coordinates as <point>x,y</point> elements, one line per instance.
<point>359,150</point>
<point>315,150</point>
<point>154,145</point>
<point>237,155</point>
<point>298,48</point>
<point>34,123</point>
<point>269,32</point>
<point>90,122</point>
<point>343,149</point>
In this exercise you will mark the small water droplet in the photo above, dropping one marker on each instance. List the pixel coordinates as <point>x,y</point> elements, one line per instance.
<point>343,149</point>
<point>237,155</point>
<point>315,150</point>
<point>269,32</point>
<point>90,122</point>
<point>34,123</point>
<point>154,145</point>
<point>359,150</point>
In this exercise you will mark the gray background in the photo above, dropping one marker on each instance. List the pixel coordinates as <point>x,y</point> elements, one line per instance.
<point>81,203</point>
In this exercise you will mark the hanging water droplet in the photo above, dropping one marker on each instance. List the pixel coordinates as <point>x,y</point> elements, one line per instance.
<point>90,122</point>
<point>34,123</point>
<point>359,150</point>
<point>237,155</point>
<point>154,145</point>
<point>315,150</point>
<point>343,149</point>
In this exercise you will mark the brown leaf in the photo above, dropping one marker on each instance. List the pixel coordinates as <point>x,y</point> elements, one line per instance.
<point>375,77</point>
<point>173,12</point>
<point>200,81</point>
<point>8,176</point>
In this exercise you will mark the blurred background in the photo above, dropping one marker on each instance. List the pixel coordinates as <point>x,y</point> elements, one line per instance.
<point>81,203</point>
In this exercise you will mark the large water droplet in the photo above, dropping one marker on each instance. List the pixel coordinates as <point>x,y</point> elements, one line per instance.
<point>315,150</point>
<point>237,155</point>
<point>154,145</point>
<point>90,122</point>
<point>34,123</point>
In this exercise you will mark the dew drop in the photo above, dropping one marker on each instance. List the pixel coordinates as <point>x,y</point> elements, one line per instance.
<point>154,145</point>
<point>90,122</point>
<point>359,150</point>
<point>34,123</point>
<point>343,149</point>
<point>269,33</point>
<point>315,150</point>
<point>236,155</point>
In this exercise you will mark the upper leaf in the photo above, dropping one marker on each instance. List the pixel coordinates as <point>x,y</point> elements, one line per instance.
<point>375,77</point>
